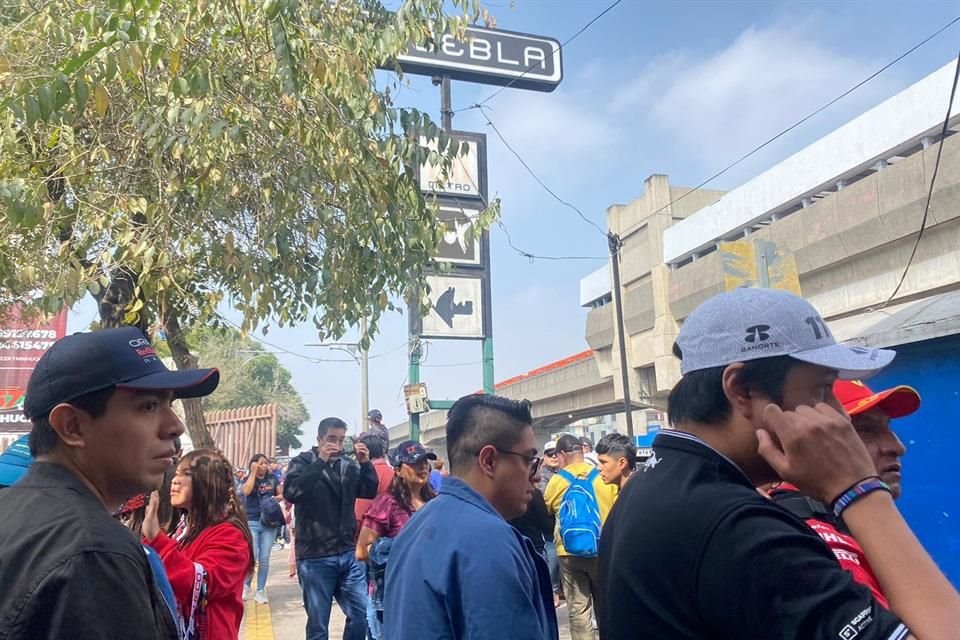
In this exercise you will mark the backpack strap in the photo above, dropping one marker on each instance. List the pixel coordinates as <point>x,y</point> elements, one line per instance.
<point>592,475</point>
<point>566,475</point>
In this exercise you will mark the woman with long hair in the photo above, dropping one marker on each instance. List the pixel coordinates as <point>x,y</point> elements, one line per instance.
<point>389,513</point>
<point>209,549</point>
<point>260,485</point>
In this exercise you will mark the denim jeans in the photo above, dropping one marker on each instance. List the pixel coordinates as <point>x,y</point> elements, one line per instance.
<point>263,538</point>
<point>342,577</point>
<point>553,563</point>
<point>374,626</point>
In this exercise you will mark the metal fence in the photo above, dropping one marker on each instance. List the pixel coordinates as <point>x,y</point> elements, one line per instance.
<point>241,433</point>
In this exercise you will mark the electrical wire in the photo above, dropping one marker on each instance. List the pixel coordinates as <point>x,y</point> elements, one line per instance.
<point>811,115</point>
<point>933,180</point>
<point>531,67</point>
<point>483,110</point>
<point>526,254</point>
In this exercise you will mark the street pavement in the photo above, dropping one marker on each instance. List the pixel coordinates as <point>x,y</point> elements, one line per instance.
<point>283,618</point>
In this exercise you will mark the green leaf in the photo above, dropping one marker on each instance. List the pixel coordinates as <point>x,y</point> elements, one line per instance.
<point>32,108</point>
<point>74,64</point>
<point>81,93</point>
<point>45,100</point>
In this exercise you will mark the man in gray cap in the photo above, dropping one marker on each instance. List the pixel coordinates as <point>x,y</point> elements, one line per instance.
<point>692,550</point>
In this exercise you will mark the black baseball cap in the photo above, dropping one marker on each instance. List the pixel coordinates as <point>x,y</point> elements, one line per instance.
<point>410,452</point>
<point>83,363</point>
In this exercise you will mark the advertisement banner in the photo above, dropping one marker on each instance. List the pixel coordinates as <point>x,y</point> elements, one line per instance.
<point>22,342</point>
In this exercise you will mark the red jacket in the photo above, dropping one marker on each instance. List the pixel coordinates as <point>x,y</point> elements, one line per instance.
<point>224,554</point>
<point>385,475</point>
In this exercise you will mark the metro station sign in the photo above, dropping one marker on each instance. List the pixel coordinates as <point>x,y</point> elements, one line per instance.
<point>490,56</point>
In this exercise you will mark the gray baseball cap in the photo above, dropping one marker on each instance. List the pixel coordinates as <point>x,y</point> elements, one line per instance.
<point>749,324</point>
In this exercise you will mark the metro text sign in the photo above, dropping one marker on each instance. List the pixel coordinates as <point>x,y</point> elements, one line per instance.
<point>490,56</point>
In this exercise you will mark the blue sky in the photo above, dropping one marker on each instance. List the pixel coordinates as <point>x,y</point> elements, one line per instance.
<point>678,88</point>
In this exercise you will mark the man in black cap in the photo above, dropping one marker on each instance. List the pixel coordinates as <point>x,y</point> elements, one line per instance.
<point>103,431</point>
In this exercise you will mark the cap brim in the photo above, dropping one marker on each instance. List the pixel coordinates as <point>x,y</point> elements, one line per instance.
<point>426,456</point>
<point>851,363</point>
<point>185,383</point>
<point>896,403</point>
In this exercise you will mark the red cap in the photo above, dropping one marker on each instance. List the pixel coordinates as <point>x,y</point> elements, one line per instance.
<point>857,397</point>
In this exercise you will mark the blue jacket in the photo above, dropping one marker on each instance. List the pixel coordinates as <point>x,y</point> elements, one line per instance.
<point>459,571</point>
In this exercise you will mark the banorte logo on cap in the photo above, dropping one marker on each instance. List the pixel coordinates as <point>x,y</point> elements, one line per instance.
<point>144,350</point>
<point>757,339</point>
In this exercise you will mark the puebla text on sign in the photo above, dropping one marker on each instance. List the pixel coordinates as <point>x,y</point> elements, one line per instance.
<point>490,56</point>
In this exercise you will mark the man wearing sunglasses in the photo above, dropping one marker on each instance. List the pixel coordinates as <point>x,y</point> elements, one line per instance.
<point>580,500</point>
<point>458,569</point>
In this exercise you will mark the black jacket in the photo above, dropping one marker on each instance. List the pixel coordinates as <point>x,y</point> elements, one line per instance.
<point>69,570</point>
<point>537,523</point>
<point>324,493</point>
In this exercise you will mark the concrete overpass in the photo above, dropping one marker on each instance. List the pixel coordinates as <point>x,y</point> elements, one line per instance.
<point>836,221</point>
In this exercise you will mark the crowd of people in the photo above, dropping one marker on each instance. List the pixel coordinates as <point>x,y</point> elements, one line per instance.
<point>765,511</point>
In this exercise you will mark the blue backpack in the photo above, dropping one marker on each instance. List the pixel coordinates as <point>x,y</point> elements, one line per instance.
<point>579,518</point>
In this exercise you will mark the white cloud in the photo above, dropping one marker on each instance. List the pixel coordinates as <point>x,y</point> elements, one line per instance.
<point>717,107</point>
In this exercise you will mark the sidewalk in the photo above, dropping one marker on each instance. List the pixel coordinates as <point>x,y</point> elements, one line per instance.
<point>284,618</point>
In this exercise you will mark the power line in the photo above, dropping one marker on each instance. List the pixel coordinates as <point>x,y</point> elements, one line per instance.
<point>808,117</point>
<point>933,179</point>
<point>533,257</point>
<point>531,67</point>
<point>490,123</point>
<point>526,254</point>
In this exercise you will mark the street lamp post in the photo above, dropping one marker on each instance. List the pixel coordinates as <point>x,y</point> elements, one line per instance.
<point>353,349</point>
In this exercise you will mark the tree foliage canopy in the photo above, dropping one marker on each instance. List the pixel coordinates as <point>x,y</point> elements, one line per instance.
<point>167,157</point>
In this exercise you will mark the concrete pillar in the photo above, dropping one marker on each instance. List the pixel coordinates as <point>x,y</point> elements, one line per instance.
<point>666,367</point>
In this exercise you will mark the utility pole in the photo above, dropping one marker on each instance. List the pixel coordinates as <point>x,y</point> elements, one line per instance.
<point>616,244</point>
<point>364,375</point>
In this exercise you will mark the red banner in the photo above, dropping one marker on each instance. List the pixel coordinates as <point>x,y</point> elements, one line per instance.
<point>22,343</point>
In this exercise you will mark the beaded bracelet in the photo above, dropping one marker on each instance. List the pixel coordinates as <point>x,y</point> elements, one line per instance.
<point>857,491</point>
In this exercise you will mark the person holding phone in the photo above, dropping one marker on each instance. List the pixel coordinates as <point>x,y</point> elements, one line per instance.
<point>323,485</point>
<point>258,486</point>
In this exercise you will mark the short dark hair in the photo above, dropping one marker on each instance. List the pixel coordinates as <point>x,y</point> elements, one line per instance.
<point>617,445</point>
<point>43,439</point>
<point>569,444</point>
<point>330,423</point>
<point>699,397</point>
<point>476,421</point>
<point>375,445</point>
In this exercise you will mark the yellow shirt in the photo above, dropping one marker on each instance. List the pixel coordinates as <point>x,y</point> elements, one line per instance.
<point>553,496</point>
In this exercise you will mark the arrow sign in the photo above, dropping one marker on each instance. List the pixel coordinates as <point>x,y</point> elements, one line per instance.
<point>457,307</point>
<point>447,307</point>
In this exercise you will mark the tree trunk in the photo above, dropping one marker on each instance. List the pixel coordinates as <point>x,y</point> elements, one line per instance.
<point>192,407</point>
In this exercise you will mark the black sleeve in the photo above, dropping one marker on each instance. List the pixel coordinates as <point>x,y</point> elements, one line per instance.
<point>369,481</point>
<point>302,475</point>
<point>95,596</point>
<point>542,518</point>
<point>763,574</point>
